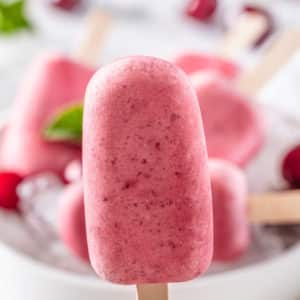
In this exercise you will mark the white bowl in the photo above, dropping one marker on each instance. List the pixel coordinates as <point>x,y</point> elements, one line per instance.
<point>22,278</point>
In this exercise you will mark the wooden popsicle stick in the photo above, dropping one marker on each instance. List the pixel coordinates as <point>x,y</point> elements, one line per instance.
<point>282,50</point>
<point>98,24</point>
<point>275,208</point>
<point>152,291</point>
<point>246,30</point>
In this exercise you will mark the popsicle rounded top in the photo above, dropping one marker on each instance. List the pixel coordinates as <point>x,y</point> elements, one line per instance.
<point>146,182</point>
<point>234,127</point>
<point>194,62</point>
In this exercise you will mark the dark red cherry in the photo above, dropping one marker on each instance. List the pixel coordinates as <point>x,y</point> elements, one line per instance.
<point>291,167</point>
<point>201,9</point>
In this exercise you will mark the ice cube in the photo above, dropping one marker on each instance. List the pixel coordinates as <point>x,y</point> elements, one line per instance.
<point>39,201</point>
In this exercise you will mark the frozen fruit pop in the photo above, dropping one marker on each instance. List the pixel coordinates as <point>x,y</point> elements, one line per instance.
<point>234,210</point>
<point>71,220</point>
<point>246,30</point>
<point>53,83</point>
<point>146,182</point>
<point>234,127</point>
<point>230,193</point>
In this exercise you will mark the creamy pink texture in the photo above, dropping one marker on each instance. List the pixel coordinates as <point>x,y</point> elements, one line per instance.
<point>71,221</point>
<point>231,228</point>
<point>53,82</point>
<point>233,126</point>
<point>147,189</point>
<point>196,62</point>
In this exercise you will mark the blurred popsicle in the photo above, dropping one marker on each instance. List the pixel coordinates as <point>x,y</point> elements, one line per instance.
<point>53,82</point>
<point>231,228</point>
<point>234,210</point>
<point>233,125</point>
<point>247,29</point>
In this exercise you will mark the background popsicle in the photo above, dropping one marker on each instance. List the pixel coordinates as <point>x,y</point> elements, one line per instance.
<point>234,210</point>
<point>234,127</point>
<point>231,228</point>
<point>53,83</point>
<point>246,30</point>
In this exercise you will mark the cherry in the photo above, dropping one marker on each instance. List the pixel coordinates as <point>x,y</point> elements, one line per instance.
<point>201,9</point>
<point>65,4</point>
<point>291,167</point>
<point>8,194</point>
<point>270,22</point>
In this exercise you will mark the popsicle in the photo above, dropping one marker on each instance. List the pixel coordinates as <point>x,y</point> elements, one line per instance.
<point>53,82</point>
<point>146,182</point>
<point>230,207</point>
<point>234,126</point>
<point>246,30</point>
<point>71,221</point>
<point>234,210</point>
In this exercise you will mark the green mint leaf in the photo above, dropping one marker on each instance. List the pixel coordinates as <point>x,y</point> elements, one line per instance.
<point>66,126</point>
<point>12,16</point>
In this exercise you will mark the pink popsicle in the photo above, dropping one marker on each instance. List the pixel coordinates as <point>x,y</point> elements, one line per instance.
<point>146,180</point>
<point>53,83</point>
<point>71,221</point>
<point>234,127</point>
<point>194,62</point>
<point>230,194</point>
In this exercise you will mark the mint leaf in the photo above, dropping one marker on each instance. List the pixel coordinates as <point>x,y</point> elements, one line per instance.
<point>12,16</point>
<point>66,126</point>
